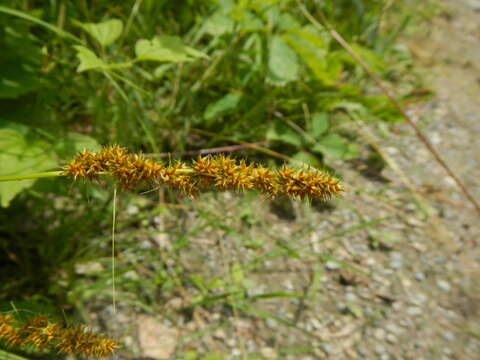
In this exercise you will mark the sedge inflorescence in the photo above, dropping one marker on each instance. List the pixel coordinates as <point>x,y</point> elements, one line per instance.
<point>219,171</point>
<point>44,334</point>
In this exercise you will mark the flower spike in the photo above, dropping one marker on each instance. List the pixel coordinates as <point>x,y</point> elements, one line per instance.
<point>219,171</point>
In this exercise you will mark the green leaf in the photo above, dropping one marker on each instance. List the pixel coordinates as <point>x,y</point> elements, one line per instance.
<point>223,106</point>
<point>218,24</point>
<point>105,32</point>
<point>75,142</point>
<point>166,48</point>
<point>335,146</point>
<point>88,59</point>
<point>19,155</point>
<point>282,62</point>
<point>281,132</point>
<point>307,158</point>
<point>313,48</point>
<point>319,124</point>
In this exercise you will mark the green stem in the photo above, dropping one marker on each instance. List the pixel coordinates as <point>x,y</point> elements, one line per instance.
<point>31,176</point>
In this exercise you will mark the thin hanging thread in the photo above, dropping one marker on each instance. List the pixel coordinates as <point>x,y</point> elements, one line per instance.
<point>113,247</point>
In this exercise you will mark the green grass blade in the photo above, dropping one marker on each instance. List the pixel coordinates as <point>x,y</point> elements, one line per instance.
<point>53,28</point>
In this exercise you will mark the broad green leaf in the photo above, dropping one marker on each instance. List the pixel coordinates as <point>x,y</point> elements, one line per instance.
<point>105,32</point>
<point>335,146</point>
<point>282,132</point>
<point>166,48</point>
<point>218,24</point>
<point>319,124</point>
<point>21,156</point>
<point>88,59</point>
<point>282,61</point>
<point>313,48</point>
<point>74,143</point>
<point>307,158</point>
<point>223,106</point>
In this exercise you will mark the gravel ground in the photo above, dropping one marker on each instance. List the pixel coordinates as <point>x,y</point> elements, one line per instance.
<point>417,295</point>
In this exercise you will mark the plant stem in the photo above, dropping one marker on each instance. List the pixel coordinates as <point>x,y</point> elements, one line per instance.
<point>31,176</point>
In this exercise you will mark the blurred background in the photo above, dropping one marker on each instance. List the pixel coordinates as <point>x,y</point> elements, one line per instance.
<point>386,271</point>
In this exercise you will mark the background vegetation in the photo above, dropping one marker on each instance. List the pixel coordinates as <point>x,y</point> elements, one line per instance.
<point>169,76</point>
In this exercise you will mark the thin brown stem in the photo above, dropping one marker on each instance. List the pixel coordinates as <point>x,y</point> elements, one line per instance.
<point>220,149</point>
<point>376,79</point>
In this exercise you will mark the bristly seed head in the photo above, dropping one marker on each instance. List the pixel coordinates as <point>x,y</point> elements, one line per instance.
<point>219,171</point>
<point>40,332</point>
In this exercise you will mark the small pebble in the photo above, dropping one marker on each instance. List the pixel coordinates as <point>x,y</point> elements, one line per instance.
<point>315,323</point>
<point>360,247</point>
<point>380,349</point>
<point>268,353</point>
<point>414,311</point>
<point>330,265</point>
<point>362,351</point>
<point>419,276</point>
<point>351,297</point>
<point>392,339</point>
<point>419,298</point>
<point>395,264</point>
<point>393,328</point>
<point>443,285</point>
<point>327,348</point>
<point>236,352</point>
<point>449,336</point>
<point>231,342</point>
<point>271,323</point>
<point>379,334</point>
<point>342,307</point>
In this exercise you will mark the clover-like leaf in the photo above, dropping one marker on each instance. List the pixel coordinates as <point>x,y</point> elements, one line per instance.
<point>105,32</point>
<point>19,155</point>
<point>88,59</point>
<point>166,48</point>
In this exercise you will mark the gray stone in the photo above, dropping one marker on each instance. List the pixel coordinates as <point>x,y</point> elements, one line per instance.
<point>351,297</point>
<point>330,265</point>
<point>236,352</point>
<point>391,339</point>
<point>395,264</point>
<point>419,276</point>
<point>271,323</point>
<point>449,336</point>
<point>379,334</point>
<point>414,311</point>
<point>327,348</point>
<point>444,285</point>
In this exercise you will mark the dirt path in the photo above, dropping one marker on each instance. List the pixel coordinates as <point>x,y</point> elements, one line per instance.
<point>420,295</point>
<point>449,51</point>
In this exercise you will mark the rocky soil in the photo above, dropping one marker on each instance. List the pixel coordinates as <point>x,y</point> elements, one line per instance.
<point>383,274</point>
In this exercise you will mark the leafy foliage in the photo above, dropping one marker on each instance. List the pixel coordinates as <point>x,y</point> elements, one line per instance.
<point>157,76</point>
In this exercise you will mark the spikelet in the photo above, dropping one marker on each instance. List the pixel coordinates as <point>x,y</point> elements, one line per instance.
<point>44,334</point>
<point>220,171</point>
